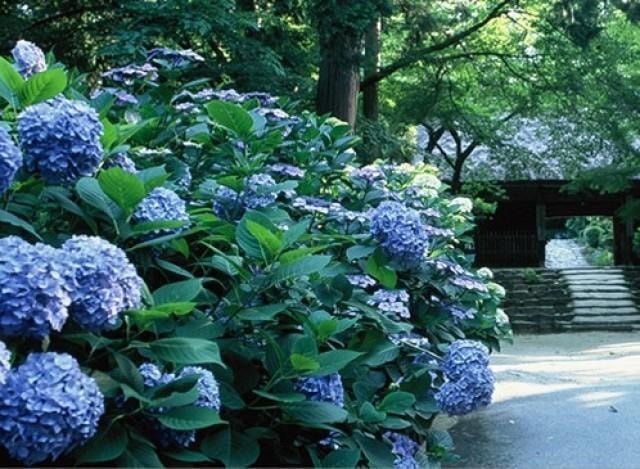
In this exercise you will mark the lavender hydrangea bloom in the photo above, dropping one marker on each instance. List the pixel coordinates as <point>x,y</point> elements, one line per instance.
<point>48,406</point>
<point>103,282</point>
<point>60,139</point>
<point>128,74</point>
<point>394,302</point>
<point>185,179</point>
<point>287,170</point>
<point>265,99</point>
<point>463,355</point>
<point>5,362</point>
<point>273,115</point>
<point>369,174</point>
<point>256,193</point>
<point>409,338</point>
<point>468,393</point>
<point>122,161</point>
<point>322,389</point>
<point>404,448</point>
<point>227,204</point>
<point>209,393</point>
<point>176,58</point>
<point>467,282</point>
<point>362,281</point>
<point>459,313</point>
<point>33,294</point>
<point>162,204</point>
<point>400,232</point>
<point>10,160</point>
<point>151,374</point>
<point>29,58</point>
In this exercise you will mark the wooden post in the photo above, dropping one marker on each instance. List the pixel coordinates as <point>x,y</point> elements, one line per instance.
<point>541,232</point>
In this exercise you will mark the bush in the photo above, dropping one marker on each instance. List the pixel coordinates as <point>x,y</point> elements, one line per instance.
<point>593,236</point>
<point>227,300</point>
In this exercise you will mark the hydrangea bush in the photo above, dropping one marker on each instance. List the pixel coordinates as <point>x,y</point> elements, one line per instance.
<point>196,276</point>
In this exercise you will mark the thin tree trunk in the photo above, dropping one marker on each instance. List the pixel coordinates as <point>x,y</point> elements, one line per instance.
<point>371,64</point>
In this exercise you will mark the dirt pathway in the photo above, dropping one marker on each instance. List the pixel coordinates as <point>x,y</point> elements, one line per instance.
<point>561,401</point>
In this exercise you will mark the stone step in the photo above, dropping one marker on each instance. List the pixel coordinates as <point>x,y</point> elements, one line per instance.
<point>595,279</point>
<point>608,296</point>
<point>596,303</point>
<point>588,270</point>
<point>607,319</point>
<point>598,288</point>
<point>605,311</point>
<point>599,327</point>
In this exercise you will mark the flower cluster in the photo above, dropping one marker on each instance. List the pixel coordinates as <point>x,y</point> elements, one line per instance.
<point>470,382</point>
<point>322,389</point>
<point>159,205</point>
<point>128,74</point>
<point>467,282</point>
<point>29,58</point>
<point>103,282</point>
<point>122,97</point>
<point>286,170</point>
<point>227,203</point>
<point>394,302</point>
<point>5,362</point>
<point>10,160</point>
<point>369,174</point>
<point>34,296</point>
<point>400,232</point>
<point>257,192</point>
<point>208,396</point>
<point>122,161</point>
<point>362,281</point>
<point>176,58</point>
<point>48,406</point>
<point>404,449</point>
<point>61,140</point>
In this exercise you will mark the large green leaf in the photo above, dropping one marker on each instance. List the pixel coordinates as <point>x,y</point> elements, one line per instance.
<point>334,360</point>
<point>89,190</point>
<point>42,86</point>
<point>343,458</point>
<point>187,351</point>
<point>234,449</point>
<point>139,455</point>
<point>264,236</point>
<point>105,446</point>
<point>190,418</point>
<point>377,268</point>
<point>11,219</point>
<point>261,313</point>
<point>231,116</point>
<point>10,83</point>
<point>124,188</point>
<point>183,291</point>
<point>378,454</point>
<point>299,268</point>
<point>315,412</point>
<point>397,402</point>
<point>245,238</point>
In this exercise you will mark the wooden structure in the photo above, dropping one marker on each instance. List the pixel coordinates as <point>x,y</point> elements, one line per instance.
<point>516,235</point>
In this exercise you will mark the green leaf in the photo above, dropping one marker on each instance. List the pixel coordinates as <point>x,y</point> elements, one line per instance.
<point>189,418</point>
<point>334,361</point>
<point>105,446</point>
<point>178,399</point>
<point>342,458</point>
<point>378,454</point>
<point>42,86</point>
<point>89,190</point>
<point>246,240</point>
<point>369,414</point>
<point>187,351</point>
<point>109,134</point>
<point>230,116</point>
<point>124,188</point>
<point>299,268</point>
<point>129,372</point>
<point>376,267</point>
<point>261,313</point>
<point>359,251</point>
<point>315,412</point>
<point>303,363</point>
<point>186,455</point>
<point>294,233</point>
<point>264,236</point>
<point>178,292</point>
<point>153,177</point>
<point>281,397</point>
<point>139,455</point>
<point>397,402</point>
<point>10,82</point>
<point>234,449</point>
<point>11,219</point>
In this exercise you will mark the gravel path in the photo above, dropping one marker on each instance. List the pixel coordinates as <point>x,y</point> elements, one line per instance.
<point>563,253</point>
<point>561,401</point>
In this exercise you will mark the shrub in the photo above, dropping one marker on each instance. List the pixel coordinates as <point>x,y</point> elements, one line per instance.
<point>278,306</point>
<point>593,236</point>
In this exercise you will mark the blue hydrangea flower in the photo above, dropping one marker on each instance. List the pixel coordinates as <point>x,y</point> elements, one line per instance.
<point>227,203</point>
<point>322,389</point>
<point>209,393</point>
<point>362,281</point>
<point>122,98</point>
<point>29,58</point>
<point>129,73</point>
<point>467,282</point>
<point>405,449</point>
<point>48,406</point>
<point>409,338</point>
<point>229,95</point>
<point>151,374</point>
<point>287,170</point>
<point>33,294</point>
<point>5,362</point>
<point>463,355</point>
<point>265,99</point>
<point>175,58</point>
<point>459,313</point>
<point>10,160</point>
<point>369,174</point>
<point>60,139</point>
<point>184,181</point>
<point>162,204</point>
<point>122,161</point>
<point>445,266</point>
<point>394,302</point>
<point>469,392</point>
<point>102,280</point>
<point>400,232</point>
<point>256,191</point>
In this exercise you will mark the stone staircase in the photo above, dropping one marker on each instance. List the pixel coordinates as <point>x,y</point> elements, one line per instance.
<point>578,299</point>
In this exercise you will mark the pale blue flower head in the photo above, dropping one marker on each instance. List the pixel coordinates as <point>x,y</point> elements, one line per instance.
<point>162,204</point>
<point>10,160</point>
<point>29,58</point>
<point>322,388</point>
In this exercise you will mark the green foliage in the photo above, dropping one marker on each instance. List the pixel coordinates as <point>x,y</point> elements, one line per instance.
<point>593,236</point>
<point>530,276</point>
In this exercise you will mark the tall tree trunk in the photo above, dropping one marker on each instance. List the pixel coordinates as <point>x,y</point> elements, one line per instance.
<point>371,64</point>
<point>339,78</point>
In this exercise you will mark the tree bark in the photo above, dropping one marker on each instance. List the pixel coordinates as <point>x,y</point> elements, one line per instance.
<point>339,78</point>
<point>371,64</point>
